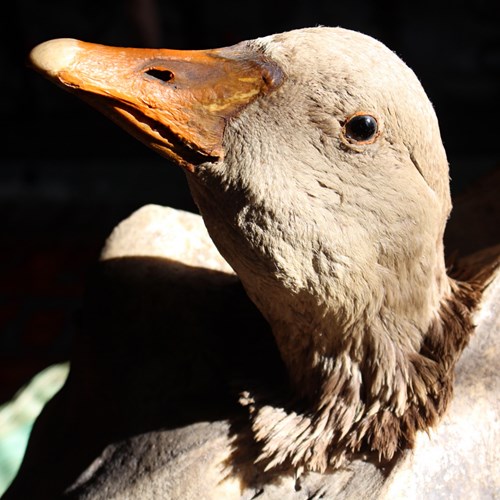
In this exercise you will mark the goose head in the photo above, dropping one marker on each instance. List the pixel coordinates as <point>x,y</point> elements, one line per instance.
<point>316,161</point>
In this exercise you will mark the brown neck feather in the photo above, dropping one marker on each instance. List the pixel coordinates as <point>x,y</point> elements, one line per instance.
<point>355,411</point>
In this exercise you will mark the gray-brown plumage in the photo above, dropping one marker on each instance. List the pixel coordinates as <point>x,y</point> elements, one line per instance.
<point>339,243</point>
<point>335,228</point>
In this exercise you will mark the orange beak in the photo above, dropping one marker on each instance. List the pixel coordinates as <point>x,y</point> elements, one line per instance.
<point>176,102</point>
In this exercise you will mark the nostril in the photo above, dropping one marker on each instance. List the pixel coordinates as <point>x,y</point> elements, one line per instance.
<point>163,75</point>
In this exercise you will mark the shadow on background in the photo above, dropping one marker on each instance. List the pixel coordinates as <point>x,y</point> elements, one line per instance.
<point>68,175</point>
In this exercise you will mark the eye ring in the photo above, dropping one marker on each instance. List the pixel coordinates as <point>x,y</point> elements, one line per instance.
<point>361,128</point>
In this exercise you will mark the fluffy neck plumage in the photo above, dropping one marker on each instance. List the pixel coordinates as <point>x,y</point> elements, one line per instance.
<point>370,352</point>
<point>369,392</point>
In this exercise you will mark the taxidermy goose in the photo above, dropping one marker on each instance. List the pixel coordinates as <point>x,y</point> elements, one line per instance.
<point>315,159</point>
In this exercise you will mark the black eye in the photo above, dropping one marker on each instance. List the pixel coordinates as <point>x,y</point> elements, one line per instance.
<point>361,128</point>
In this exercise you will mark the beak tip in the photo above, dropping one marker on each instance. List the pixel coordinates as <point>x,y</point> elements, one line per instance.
<point>54,56</point>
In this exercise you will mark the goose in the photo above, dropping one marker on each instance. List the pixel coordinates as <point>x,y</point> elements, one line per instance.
<point>315,159</point>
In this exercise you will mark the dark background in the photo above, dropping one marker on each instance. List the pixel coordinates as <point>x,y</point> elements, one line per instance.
<point>68,176</point>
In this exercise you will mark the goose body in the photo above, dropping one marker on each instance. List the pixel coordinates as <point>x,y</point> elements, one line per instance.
<point>315,159</point>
